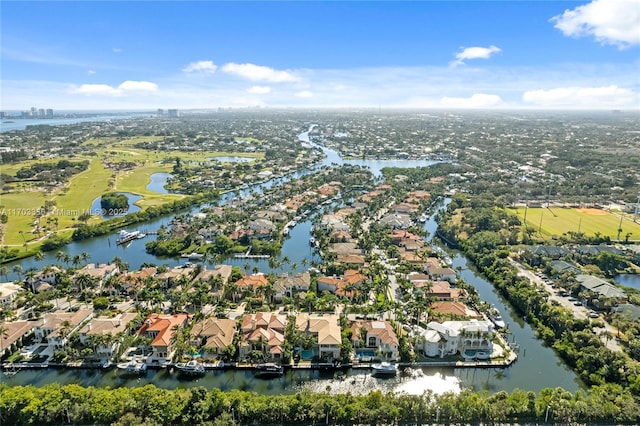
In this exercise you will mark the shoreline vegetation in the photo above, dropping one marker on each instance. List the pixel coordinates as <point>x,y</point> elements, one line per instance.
<point>149,405</point>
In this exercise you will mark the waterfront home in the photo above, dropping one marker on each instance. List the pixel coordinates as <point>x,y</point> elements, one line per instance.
<point>8,293</point>
<point>160,328</point>
<point>48,275</point>
<point>417,196</point>
<point>16,331</point>
<point>172,276</point>
<point>455,337</point>
<point>287,285</point>
<point>212,336</point>
<point>377,336</point>
<point>454,309</point>
<point>331,222</point>
<point>101,333</point>
<point>440,290</point>
<point>222,271</point>
<point>99,273</point>
<point>436,271</point>
<point>264,332</point>
<point>326,330</point>
<point>56,327</point>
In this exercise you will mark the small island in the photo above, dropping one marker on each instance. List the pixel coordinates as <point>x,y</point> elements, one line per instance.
<point>114,203</point>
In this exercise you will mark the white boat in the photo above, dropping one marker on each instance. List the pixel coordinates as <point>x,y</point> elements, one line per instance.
<point>132,367</point>
<point>268,371</point>
<point>384,369</point>
<point>126,236</point>
<point>191,368</point>
<point>423,218</point>
<point>496,318</point>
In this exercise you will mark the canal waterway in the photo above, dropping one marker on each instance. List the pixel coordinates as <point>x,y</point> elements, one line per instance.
<point>537,367</point>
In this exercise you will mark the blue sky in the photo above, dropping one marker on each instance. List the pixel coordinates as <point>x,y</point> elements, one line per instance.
<point>420,54</point>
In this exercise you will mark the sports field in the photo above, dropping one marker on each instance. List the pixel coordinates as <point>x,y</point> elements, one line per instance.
<point>547,222</point>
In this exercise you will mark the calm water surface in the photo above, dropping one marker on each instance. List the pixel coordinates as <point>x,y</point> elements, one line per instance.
<point>628,280</point>
<point>158,181</point>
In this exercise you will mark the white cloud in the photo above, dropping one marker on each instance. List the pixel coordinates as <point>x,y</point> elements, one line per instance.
<point>116,50</point>
<point>259,90</point>
<point>474,53</point>
<point>304,94</point>
<point>615,22</point>
<point>91,72</point>
<point>122,89</point>
<point>254,72</point>
<point>477,100</point>
<point>582,97</point>
<point>144,86</point>
<point>95,89</point>
<point>206,67</point>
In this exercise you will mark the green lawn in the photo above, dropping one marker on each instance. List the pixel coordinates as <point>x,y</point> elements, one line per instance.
<point>557,221</point>
<point>21,210</point>
<point>83,189</point>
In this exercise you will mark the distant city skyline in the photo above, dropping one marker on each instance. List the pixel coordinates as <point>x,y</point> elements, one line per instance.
<point>424,54</point>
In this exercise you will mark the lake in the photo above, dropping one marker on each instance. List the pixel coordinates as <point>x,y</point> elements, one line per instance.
<point>628,280</point>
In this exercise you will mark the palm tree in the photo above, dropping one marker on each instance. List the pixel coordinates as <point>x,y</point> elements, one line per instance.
<point>39,255</point>
<point>4,270</point>
<point>17,269</point>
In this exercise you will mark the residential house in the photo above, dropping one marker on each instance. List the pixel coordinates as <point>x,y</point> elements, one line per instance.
<point>8,293</point>
<point>56,327</point>
<point>100,273</point>
<point>376,335</point>
<point>160,328</point>
<point>287,285</point>
<point>453,308</point>
<point>132,282</point>
<point>249,283</point>
<point>48,275</point>
<point>437,272</point>
<point>455,337</point>
<point>222,271</point>
<point>106,345</point>
<point>396,221</point>
<point>404,208</point>
<point>16,331</point>
<point>263,331</point>
<point>326,329</point>
<point>346,285</point>
<point>172,276</point>
<point>212,336</point>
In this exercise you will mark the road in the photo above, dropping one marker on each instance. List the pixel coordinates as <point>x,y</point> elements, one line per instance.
<point>580,312</point>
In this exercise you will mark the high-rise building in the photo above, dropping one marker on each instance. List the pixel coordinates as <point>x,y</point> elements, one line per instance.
<point>172,113</point>
<point>160,112</point>
<point>49,113</point>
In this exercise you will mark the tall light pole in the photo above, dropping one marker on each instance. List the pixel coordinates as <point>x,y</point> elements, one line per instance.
<point>635,215</point>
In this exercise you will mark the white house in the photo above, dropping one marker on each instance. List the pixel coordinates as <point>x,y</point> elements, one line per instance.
<point>456,337</point>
